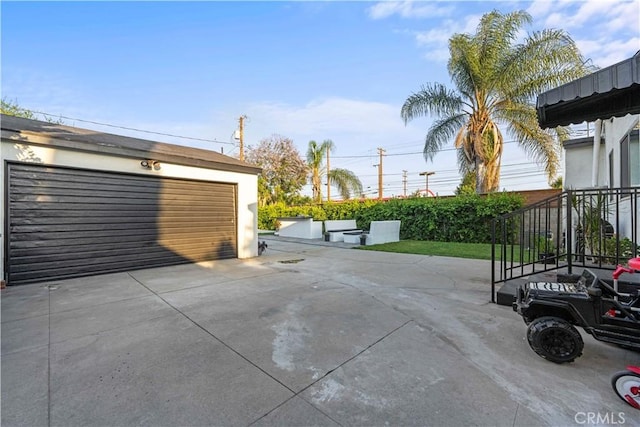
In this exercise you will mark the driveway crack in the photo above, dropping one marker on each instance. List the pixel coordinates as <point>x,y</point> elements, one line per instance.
<point>357,354</point>
<point>299,394</point>
<point>205,330</point>
<point>295,394</point>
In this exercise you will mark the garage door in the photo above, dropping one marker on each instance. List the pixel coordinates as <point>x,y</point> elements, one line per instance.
<point>64,223</point>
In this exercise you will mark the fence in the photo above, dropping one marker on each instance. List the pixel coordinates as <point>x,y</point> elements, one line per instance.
<point>596,228</point>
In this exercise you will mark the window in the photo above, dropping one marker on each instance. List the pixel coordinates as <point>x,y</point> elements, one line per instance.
<point>630,160</point>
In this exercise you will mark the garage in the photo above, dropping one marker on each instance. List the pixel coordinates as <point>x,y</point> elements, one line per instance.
<point>163,206</point>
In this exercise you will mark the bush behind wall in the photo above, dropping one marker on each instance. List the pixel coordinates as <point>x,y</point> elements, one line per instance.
<point>448,219</point>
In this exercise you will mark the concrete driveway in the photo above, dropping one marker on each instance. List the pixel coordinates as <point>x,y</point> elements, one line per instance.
<point>303,335</point>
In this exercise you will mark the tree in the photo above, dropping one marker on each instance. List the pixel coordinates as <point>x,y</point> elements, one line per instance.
<point>11,108</point>
<point>557,183</point>
<point>467,185</point>
<point>496,81</point>
<point>284,172</point>
<point>344,180</point>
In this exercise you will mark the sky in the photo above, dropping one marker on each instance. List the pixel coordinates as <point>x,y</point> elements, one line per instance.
<point>302,70</point>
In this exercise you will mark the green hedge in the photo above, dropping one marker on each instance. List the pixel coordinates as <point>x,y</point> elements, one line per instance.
<point>449,219</point>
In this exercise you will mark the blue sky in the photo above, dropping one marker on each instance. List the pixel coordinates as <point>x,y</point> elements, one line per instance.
<point>303,70</point>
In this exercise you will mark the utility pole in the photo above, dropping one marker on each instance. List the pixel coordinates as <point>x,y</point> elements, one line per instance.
<point>241,120</point>
<point>404,183</point>
<point>328,183</point>
<point>380,151</point>
<point>426,175</point>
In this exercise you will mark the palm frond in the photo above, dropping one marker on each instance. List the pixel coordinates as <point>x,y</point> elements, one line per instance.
<point>314,154</point>
<point>441,132</point>
<point>346,182</point>
<point>546,59</point>
<point>465,163</point>
<point>465,67</point>
<point>495,82</point>
<point>492,42</point>
<point>326,146</point>
<point>540,145</point>
<point>431,99</point>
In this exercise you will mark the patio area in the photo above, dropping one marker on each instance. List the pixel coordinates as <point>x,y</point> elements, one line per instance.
<point>310,333</point>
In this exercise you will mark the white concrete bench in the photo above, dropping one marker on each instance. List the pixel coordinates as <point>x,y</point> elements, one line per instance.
<point>379,232</point>
<point>337,227</point>
<point>300,227</point>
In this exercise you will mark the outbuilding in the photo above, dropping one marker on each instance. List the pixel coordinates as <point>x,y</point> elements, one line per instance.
<point>78,202</point>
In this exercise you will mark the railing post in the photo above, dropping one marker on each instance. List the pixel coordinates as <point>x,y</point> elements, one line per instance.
<point>493,260</point>
<point>569,232</point>
<point>503,250</point>
<point>635,236</point>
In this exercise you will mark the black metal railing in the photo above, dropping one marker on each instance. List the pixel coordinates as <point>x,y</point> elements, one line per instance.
<point>596,228</point>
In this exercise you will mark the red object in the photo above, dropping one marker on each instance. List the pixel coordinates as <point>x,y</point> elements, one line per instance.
<point>632,401</point>
<point>620,269</point>
<point>634,263</point>
<point>635,391</point>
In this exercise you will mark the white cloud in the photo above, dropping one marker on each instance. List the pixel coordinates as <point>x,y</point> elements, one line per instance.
<point>570,15</point>
<point>586,12</point>
<point>539,9</point>
<point>332,115</point>
<point>409,9</point>
<point>624,15</point>
<point>614,53</point>
<point>356,127</point>
<point>436,40</point>
<point>605,30</point>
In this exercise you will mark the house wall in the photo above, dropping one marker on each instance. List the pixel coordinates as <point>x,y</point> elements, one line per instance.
<point>578,155</point>
<point>615,130</point>
<point>247,184</point>
<point>578,166</point>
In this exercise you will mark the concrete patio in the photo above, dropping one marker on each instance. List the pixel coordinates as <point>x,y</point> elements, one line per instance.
<point>308,334</point>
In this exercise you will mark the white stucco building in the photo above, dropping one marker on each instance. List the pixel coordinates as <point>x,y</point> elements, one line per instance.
<point>615,163</point>
<point>610,159</point>
<point>78,202</point>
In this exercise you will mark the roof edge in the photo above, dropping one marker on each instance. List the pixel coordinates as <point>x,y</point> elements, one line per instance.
<point>78,139</point>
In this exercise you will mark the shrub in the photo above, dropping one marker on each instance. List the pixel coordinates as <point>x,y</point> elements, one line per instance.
<point>465,218</point>
<point>625,247</point>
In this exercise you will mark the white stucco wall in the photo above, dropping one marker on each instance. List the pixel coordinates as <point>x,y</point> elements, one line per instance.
<point>578,159</point>
<point>247,184</point>
<point>615,130</point>
<point>577,167</point>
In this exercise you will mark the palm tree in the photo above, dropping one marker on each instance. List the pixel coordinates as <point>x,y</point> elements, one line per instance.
<point>496,81</point>
<point>344,180</point>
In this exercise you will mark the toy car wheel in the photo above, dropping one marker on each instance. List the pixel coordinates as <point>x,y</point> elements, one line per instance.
<point>555,339</point>
<point>627,386</point>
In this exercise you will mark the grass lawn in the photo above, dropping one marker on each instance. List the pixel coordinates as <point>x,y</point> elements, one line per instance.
<point>452,249</point>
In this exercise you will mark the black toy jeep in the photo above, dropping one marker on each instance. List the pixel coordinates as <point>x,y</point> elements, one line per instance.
<point>552,310</point>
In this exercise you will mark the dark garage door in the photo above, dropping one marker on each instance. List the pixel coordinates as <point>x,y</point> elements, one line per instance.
<point>66,223</point>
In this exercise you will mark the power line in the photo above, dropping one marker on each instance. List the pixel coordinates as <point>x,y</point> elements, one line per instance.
<point>135,129</point>
<point>456,171</point>
<point>405,154</point>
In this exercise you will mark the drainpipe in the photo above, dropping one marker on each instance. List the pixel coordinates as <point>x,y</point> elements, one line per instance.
<point>595,170</point>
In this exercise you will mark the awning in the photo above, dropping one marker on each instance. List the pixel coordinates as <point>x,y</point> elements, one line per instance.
<point>611,92</point>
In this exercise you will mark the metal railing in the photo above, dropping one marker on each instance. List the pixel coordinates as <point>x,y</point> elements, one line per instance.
<point>596,228</point>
